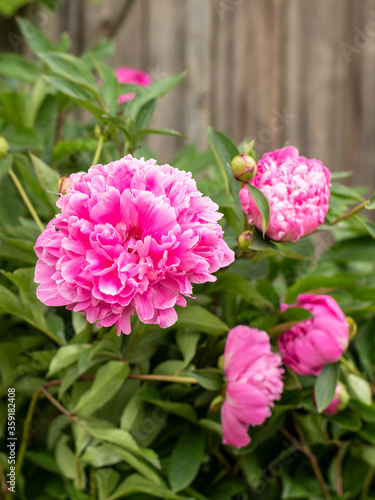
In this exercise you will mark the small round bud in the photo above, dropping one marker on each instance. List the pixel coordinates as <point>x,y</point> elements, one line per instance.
<point>64,184</point>
<point>4,147</point>
<point>340,400</point>
<point>352,327</point>
<point>244,168</point>
<point>217,403</point>
<point>244,240</point>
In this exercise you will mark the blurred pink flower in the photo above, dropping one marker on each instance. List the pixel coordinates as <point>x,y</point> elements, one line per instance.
<point>339,402</point>
<point>254,383</point>
<point>126,74</point>
<point>132,236</point>
<point>297,191</point>
<point>317,341</point>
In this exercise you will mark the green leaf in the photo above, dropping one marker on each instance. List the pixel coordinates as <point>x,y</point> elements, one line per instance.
<point>161,131</point>
<point>109,87</point>
<point>209,378</point>
<point>11,305</point>
<point>317,283</point>
<point>187,343</point>
<point>325,386</point>
<point>186,460</point>
<point>224,151</point>
<point>359,388</point>
<point>48,178</point>
<point>146,94</point>
<point>366,412</point>
<point>36,40</point>
<point>5,165</point>
<point>16,66</point>
<point>66,356</point>
<point>183,410</point>
<point>259,243</point>
<point>105,49</point>
<point>262,204</point>
<point>135,483</point>
<point>348,419</point>
<point>65,458</point>
<point>200,319</point>
<point>233,283</point>
<point>72,69</point>
<point>295,314</point>
<point>109,378</point>
<point>144,114</point>
<point>76,92</point>
<point>371,204</point>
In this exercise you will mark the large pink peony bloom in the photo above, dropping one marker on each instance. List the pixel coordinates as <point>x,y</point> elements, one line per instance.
<point>317,341</point>
<point>126,74</point>
<point>254,383</point>
<point>297,191</point>
<point>131,237</point>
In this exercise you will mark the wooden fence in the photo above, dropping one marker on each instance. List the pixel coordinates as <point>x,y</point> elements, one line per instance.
<point>273,70</point>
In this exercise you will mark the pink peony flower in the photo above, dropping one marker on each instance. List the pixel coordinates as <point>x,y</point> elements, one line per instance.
<point>126,74</point>
<point>339,402</point>
<point>297,191</point>
<point>317,341</point>
<point>254,383</point>
<point>132,236</point>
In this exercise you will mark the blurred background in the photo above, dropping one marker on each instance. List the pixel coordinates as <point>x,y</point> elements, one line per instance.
<point>301,71</point>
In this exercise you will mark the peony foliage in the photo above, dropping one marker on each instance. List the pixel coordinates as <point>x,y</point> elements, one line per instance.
<point>247,296</point>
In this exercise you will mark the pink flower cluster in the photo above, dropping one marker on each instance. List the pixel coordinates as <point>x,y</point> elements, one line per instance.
<point>132,236</point>
<point>317,341</point>
<point>297,190</point>
<point>126,74</point>
<point>254,382</point>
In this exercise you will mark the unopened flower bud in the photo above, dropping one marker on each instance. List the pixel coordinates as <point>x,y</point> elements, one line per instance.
<point>217,403</point>
<point>4,147</point>
<point>64,184</point>
<point>244,168</point>
<point>244,240</point>
<point>352,327</point>
<point>339,402</point>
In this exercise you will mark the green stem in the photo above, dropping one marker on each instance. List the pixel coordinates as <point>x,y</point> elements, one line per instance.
<point>314,462</point>
<point>367,485</point>
<point>49,334</point>
<point>98,150</point>
<point>351,212</point>
<point>26,200</point>
<point>349,366</point>
<point>165,378</point>
<point>25,433</point>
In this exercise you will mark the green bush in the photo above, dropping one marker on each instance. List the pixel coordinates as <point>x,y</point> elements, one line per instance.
<point>88,425</point>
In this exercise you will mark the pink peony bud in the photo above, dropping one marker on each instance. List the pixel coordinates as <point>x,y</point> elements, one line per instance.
<point>243,167</point>
<point>64,184</point>
<point>126,74</point>
<point>317,341</point>
<point>297,190</point>
<point>4,147</point>
<point>339,402</point>
<point>244,240</point>
<point>254,382</point>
